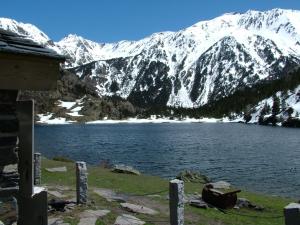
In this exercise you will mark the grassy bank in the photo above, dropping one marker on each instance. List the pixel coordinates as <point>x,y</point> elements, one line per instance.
<point>142,185</point>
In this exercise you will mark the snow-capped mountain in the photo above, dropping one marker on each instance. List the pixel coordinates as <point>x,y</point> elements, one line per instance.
<point>25,29</point>
<point>188,68</point>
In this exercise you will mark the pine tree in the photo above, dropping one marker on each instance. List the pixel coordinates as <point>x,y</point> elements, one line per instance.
<point>247,114</point>
<point>265,110</point>
<point>275,110</point>
<point>276,106</point>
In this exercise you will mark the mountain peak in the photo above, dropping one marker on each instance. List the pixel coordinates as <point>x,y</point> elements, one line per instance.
<point>24,29</point>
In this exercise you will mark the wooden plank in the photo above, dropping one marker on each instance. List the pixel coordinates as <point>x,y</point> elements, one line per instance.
<point>8,96</point>
<point>7,109</point>
<point>8,192</point>
<point>11,134</point>
<point>7,117</point>
<point>8,141</point>
<point>8,156</point>
<point>28,73</point>
<point>9,126</point>
<point>25,115</point>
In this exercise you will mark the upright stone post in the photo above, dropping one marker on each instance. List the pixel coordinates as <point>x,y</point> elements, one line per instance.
<point>81,182</point>
<point>176,194</point>
<point>37,168</point>
<point>292,214</point>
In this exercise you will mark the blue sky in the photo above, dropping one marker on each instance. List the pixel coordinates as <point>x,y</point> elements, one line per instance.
<point>114,20</point>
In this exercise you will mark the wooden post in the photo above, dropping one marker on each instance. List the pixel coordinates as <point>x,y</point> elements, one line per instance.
<point>81,182</point>
<point>37,168</point>
<point>32,202</point>
<point>176,194</point>
<point>26,139</point>
<point>292,214</point>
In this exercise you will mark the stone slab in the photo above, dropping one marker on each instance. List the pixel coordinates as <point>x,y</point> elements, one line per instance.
<point>56,194</point>
<point>88,221</point>
<point>126,219</point>
<point>94,213</point>
<point>221,185</point>
<point>109,195</point>
<point>138,209</point>
<point>56,221</point>
<point>125,169</point>
<point>293,206</point>
<point>57,169</point>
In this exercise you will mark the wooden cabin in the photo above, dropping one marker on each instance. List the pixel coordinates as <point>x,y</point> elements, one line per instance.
<point>25,65</point>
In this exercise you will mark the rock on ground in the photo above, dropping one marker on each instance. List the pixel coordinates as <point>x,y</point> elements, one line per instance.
<point>56,221</point>
<point>94,213</point>
<point>191,176</point>
<point>125,169</point>
<point>221,185</point>
<point>57,169</point>
<point>10,168</point>
<point>126,219</point>
<point>88,221</point>
<point>245,203</point>
<point>109,195</point>
<point>138,209</point>
<point>56,194</point>
<point>199,204</point>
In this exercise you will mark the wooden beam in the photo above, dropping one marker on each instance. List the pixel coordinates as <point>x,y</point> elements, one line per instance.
<point>7,192</point>
<point>26,139</point>
<point>8,156</point>
<point>28,72</point>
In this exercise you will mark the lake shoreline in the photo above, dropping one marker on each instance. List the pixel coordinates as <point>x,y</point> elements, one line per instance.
<point>144,185</point>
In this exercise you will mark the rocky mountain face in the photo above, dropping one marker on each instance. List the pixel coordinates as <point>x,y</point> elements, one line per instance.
<point>189,68</point>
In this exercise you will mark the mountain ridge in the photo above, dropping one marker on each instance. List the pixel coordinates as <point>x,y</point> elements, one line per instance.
<point>189,68</point>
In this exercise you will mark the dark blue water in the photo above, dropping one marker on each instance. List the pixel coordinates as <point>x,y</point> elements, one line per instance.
<point>264,159</point>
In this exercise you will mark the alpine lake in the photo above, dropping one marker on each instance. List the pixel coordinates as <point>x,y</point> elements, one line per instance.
<point>257,158</point>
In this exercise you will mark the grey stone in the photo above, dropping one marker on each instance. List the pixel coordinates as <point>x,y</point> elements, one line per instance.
<point>57,169</point>
<point>199,204</point>
<point>292,214</point>
<point>138,209</point>
<point>191,176</point>
<point>125,169</point>
<point>109,195</point>
<point>56,194</point>
<point>88,221</point>
<point>245,203</point>
<point>94,213</point>
<point>191,197</point>
<point>81,182</point>
<point>10,168</point>
<point>221,185</point>
<point>56,221</point>
<point>37,168</point>
<point>62,188</point>
<point>126,219</point>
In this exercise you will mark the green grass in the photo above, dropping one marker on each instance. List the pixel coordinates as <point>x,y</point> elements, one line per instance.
<point>131,184</point>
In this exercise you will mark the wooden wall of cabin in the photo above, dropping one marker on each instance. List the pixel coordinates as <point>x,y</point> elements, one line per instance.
<point>8,137</point>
